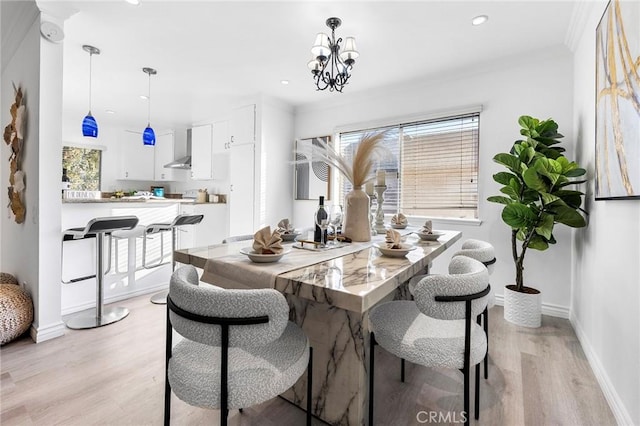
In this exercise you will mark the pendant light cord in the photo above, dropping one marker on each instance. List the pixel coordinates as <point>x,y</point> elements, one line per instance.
<point>90,71</point>
<point>149,104</point>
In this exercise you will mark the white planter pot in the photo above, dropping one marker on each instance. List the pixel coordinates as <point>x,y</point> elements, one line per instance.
<point>523,309</point>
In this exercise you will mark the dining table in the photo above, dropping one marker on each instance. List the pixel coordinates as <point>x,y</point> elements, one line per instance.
<point>330,292</point>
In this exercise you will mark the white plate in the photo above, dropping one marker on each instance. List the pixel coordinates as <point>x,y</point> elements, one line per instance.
<point>396,226</point>
<point>263,258</point>
<point>430,237</point>
<point>401,252</point>
<point>289,237</point>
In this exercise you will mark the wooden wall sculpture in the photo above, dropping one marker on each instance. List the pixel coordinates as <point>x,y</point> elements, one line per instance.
<point>14,137</point>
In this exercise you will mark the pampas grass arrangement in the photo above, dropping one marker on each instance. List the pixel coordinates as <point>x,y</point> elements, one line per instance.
<point>369,150</point>
<point>356,223</point>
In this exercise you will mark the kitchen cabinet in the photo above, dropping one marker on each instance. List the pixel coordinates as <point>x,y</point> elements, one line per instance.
<point>201,152</point>
<point>221,139</point>
<point>243,125</point>
<point>212,230</point>
<point>163,155</point>
<point>136,159</point>
<point>241,190</point>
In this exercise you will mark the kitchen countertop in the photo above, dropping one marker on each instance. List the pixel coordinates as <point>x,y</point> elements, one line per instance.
<point>139,200</point>
<point>127,200</point>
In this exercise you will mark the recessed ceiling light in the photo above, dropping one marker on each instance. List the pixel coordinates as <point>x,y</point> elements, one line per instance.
<point>285,82</point>
<point>479,20</point>
<point>145,97</point>
<point>133,2</point>
<point>109,111</point>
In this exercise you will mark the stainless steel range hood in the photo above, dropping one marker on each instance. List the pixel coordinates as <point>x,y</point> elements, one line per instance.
<point>182,162</point>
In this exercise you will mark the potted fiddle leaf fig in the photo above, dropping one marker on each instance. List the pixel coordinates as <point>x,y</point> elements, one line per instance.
<point>536,196</point>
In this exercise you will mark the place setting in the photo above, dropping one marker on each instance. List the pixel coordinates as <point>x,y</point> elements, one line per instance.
<point>427,234</point>
<point>267,246</point>
<point>287,231</point>
<point>393,245</point>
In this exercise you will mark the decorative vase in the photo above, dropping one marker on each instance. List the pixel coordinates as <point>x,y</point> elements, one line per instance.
<point>523,309</point>
<point>357,225</point>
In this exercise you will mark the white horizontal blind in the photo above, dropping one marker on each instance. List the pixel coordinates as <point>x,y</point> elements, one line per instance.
<point>435,166</point>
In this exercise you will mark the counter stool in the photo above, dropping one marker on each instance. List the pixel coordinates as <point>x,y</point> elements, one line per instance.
<point>128,234</point>
<point>160,298</point>
<point>97,228</point>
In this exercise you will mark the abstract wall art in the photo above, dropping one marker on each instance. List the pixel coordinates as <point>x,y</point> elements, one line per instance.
<point>618,102</point>
<point>312,176</point>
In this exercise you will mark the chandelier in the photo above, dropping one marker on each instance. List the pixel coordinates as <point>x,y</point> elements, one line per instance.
<point>332,63</point>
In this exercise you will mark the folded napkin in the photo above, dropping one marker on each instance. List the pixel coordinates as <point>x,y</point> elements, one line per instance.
<point>427,228</point>
<point>264,242</point>
<point>399,219</point>
<point>285,227</point>
<point>393,239</point>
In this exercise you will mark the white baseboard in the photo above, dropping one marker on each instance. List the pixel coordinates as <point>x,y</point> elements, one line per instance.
<point>47,333</point>
<point>116,298</point>
<point>547,308</point>
<point>621,414</point>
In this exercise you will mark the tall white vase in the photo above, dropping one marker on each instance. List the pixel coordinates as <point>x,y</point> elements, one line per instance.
<point>357,225</point>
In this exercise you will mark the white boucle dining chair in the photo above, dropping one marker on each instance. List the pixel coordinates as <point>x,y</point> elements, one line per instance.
<point>485,253</point>
<point>238,347</point>
<point>436,328</point>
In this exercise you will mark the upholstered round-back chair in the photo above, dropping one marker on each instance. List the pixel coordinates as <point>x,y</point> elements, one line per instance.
<point>479,250</point>
<point>238,349</point>
<point>485,253</point>
<point>437,328</point>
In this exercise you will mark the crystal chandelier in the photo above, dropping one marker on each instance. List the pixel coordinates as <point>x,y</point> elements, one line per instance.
<point>332,63</point>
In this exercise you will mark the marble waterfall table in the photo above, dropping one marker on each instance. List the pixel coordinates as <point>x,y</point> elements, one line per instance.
<point>330,294</point>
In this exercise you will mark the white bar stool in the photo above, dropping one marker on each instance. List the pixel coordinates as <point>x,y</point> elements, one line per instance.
<point>180,220</point>
<point>97,228</point>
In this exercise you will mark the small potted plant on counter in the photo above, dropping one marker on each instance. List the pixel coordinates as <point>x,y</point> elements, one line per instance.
<point>536,197</point>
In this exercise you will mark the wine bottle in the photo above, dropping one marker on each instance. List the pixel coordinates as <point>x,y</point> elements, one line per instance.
<point>66,182</point>
<point>321,213</point>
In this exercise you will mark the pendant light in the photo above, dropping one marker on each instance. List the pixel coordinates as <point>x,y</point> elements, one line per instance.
<point>89,124</point>
<point>149,136</point>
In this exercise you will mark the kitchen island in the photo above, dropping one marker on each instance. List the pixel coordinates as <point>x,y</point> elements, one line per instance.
<point>121,283</point>
<point>329,295</point>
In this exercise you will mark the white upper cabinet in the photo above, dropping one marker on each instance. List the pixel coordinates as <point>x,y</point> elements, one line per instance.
<point>163,155</point>
<point>201,152</point>
<point>243,125</point>
<point>221,139</point>
<point>136,159</point>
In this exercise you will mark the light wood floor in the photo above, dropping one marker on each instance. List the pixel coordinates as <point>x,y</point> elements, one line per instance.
<point>114,375</point>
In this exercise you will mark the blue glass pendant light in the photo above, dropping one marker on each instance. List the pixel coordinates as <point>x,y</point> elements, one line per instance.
<point>149,136</point>
<point>89,124</point>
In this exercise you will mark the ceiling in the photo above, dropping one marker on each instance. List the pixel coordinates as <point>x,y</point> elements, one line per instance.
<point>210,53</point>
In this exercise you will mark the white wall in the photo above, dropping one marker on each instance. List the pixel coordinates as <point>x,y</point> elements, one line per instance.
<point>31,250</point>
<point>275,155</point>
<point>538,84</point>
<point>605,309</point>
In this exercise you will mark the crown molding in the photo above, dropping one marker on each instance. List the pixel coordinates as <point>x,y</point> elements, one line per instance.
<point>577,24</point>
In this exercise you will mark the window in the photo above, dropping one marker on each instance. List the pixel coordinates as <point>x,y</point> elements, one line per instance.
<point>83,167</point>
<point>434,169</point>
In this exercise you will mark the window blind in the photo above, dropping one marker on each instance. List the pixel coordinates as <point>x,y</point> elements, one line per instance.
<point>434,168</point>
